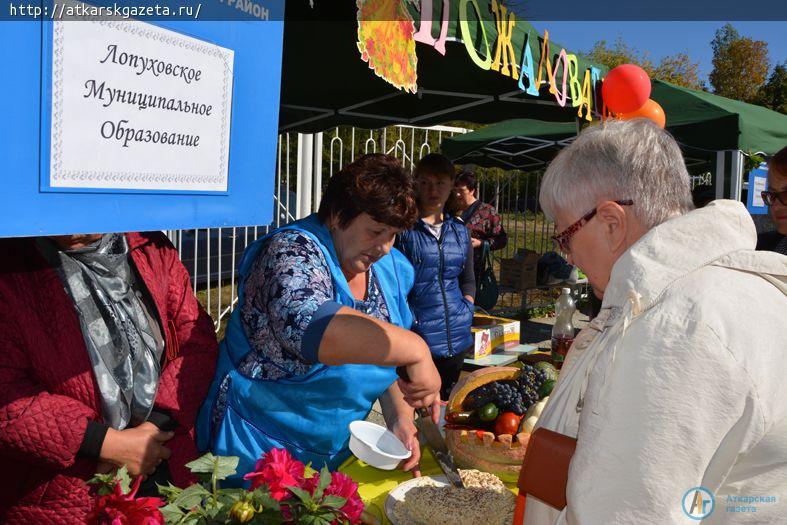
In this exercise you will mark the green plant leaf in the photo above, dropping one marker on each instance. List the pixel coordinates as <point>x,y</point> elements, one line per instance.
<point>328,516</point>
<point>192,496</point>
<point>172,513</point>
<point>214,510</point>
<point>262,497</point>
<point>302,495</point>
<point>335,502</point>
<point>325,480</point>
<point>321,519</point>
<point>230,496</point>
<point>169,491</point>
<point>125,480</point>
<point>105,483</point>
<point>308,520</point>
<point>223,466</point>
<point>101,479</point>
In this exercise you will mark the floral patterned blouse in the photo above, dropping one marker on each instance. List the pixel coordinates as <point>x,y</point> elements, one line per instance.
<point>288,283</point>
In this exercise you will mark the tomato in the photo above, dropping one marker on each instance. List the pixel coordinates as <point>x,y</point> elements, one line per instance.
<point>488,412</point>
<point>507,423</point>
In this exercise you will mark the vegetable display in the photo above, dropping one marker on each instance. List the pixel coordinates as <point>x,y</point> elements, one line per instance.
<point>491,414</point>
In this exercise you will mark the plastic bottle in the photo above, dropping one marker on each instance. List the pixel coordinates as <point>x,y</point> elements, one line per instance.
<point>563,331</point>
<point>565,299</point>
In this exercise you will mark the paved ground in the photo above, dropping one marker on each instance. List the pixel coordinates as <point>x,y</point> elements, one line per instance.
<point>535,332</point>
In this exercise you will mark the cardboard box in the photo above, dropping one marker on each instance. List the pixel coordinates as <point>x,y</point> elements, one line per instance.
<point>492,334</point>
<point>521,271</point>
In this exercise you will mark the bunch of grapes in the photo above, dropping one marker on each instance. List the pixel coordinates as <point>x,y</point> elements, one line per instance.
<point>510,396</point>
<point>529,381</point>
<point>504,394</point>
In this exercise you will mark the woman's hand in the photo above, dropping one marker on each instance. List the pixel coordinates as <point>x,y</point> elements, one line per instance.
<point>476,242</point>
<point>421,388</point>
<point>404,428</point>
<point>140,448</point>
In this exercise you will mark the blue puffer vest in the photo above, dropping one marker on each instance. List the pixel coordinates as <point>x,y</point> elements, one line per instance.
<point>442,316</point>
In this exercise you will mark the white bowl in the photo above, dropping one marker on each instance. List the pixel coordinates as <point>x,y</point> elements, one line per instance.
<point>376,445</point>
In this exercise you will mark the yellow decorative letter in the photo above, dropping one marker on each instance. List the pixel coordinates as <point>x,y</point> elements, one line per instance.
<point>504,49</point>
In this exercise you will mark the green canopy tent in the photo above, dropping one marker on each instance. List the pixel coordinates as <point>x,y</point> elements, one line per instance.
<point>325,82</point>
<point>713,132</point>
<point>519,144</point>
<point>703,120</point>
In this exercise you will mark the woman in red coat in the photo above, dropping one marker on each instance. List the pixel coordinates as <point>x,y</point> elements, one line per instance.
<point>105,358</point>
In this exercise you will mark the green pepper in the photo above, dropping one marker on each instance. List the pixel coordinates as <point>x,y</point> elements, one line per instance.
<point>488,412</point>
<point>546,389</point>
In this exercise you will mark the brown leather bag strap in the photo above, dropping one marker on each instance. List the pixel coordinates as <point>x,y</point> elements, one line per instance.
<point>544,471</point>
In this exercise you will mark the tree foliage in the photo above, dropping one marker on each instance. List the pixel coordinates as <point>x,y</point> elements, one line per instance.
<point>677,69</point>
<point>773,94</point>
<point>740,65</point>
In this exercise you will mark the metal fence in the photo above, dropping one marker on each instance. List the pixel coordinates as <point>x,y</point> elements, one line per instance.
<point>212,255</point>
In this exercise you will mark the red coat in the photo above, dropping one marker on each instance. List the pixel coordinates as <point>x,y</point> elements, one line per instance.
<point>47,388</point>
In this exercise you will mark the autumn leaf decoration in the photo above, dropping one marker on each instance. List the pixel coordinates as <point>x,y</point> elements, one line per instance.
<point>385,41</point>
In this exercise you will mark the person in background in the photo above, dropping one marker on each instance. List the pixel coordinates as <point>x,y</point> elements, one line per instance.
<point>322,323</point>
<point>105,358</point>
<point>439,247</point>
<point>678,383</point>
<point>481,218</point>
<point>776,199</point>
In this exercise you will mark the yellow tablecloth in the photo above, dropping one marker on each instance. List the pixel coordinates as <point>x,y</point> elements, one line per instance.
<point>375,484</point>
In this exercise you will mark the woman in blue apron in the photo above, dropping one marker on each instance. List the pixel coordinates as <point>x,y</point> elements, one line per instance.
<point>322,321</point>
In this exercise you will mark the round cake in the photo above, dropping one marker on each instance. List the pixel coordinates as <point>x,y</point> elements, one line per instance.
<point>485,499</point>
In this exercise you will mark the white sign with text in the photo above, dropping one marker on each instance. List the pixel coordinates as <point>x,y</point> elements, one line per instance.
<point>760,184</point>
<point>138,107</point>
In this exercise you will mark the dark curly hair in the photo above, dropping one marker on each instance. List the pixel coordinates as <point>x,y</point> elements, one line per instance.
<point>467,178</point>
<point>376,184</point>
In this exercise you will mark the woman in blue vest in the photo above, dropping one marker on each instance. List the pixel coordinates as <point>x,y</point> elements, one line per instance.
<point>439,247</point>
<point>322,322</point>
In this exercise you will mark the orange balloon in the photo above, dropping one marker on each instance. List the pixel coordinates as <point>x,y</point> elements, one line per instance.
<point>650,110</point>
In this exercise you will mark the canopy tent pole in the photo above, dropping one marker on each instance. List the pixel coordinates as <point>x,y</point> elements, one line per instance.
<point>719,182</point>
<point>317,168</point>
<point>736,175</point>
<point>303,177</point>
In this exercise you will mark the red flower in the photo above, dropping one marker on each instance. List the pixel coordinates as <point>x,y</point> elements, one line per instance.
<point>341,485</point>
<point>122,509</point>
<point>344,486</point>
<point>278,470</point>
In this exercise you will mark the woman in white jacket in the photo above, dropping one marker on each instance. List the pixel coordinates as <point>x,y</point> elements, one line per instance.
<point>676,392</point>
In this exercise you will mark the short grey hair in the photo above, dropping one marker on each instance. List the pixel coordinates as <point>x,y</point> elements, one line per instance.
<point>618,160</point>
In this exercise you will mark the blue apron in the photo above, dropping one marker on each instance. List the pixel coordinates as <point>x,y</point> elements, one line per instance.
<point>307,414</point>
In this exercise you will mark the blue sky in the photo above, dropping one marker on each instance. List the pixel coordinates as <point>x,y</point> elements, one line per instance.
<point>660,39</point>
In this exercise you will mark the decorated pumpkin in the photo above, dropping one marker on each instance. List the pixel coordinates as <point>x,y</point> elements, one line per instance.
<point>486,417</point>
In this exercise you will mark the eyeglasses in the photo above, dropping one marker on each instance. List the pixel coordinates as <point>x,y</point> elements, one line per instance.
<point>563,238</point>
<point>772,196</point>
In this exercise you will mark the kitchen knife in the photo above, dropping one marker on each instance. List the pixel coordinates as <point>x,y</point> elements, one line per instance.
<point>435,440</point>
